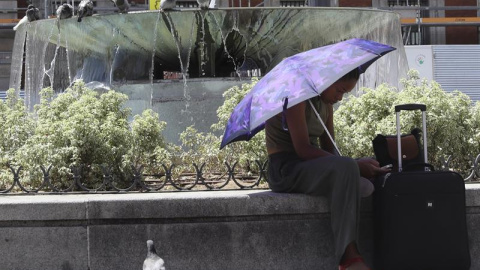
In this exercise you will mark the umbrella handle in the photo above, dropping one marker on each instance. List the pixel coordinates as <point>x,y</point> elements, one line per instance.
<point>323,124</point>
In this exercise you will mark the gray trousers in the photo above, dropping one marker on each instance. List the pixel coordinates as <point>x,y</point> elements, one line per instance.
<point>335,177</point>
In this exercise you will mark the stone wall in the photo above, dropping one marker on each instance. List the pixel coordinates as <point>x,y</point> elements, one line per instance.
<point>247,229</point>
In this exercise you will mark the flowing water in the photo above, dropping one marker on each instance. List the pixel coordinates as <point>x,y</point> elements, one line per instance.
<point>154,47</point>
<point>17,59</point>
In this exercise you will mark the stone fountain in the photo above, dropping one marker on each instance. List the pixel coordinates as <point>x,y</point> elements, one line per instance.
<point>179,63</point>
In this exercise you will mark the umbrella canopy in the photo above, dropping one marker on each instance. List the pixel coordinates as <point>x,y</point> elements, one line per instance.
<point>296,79</point>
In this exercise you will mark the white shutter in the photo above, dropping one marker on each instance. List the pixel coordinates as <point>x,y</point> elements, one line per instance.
<point>457,67</point>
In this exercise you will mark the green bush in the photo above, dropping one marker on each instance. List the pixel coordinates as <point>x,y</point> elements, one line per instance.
<point>82,127</point>
<point>146,141</point>
<point>200,147</point>
<point>16,126</point>
<point>79,127</point>
<point>474,123</point>
<point>452,121</point>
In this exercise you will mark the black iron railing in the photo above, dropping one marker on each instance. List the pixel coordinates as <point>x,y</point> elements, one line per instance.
<point>137,181</point>
<point>196,178</point>
<point>472,175</point>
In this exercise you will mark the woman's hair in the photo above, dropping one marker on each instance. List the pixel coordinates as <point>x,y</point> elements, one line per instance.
<point>354,74</point>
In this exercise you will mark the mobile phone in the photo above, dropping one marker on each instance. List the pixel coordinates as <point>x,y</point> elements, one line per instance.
<point>389,166</point>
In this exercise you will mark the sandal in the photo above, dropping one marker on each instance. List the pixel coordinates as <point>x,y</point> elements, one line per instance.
<point>348,263</point>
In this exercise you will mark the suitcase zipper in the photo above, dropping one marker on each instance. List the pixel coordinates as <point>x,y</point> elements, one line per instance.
<point>385,179</point>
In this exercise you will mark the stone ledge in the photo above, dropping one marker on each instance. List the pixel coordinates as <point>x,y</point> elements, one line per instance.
<point>241,229</point>
<point>235,203</point>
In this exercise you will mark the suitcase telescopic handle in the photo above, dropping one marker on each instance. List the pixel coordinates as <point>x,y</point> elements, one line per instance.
<point>411,107</point>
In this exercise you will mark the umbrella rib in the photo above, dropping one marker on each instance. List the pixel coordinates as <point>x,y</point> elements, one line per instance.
<point>323,124</point>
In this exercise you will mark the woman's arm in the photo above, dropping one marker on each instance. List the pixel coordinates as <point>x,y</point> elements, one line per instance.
<point>297,126</point>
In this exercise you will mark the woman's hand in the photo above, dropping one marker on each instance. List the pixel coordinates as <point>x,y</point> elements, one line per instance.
<point>369,168</point>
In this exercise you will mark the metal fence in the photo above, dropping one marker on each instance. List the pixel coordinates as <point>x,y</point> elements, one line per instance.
<point>12,181</point>
<point>472,175</point>
<point>229,177</point>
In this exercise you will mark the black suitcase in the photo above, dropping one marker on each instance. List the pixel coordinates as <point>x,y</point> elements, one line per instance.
<point>419,216</point>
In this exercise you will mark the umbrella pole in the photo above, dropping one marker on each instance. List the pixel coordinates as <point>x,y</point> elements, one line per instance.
<point>323,124</point>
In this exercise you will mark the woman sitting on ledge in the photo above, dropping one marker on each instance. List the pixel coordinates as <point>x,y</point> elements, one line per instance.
<point>298,164</point>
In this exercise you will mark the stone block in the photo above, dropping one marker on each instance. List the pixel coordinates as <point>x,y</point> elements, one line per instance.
<point>270,244</point>
<point>41,246</point>
<point>46,209</point>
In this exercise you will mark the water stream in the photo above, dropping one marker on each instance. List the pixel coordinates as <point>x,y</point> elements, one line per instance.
<point>224,42</point>
<point>48,72</point>
<point>154,47</point>
<point>51,71</point>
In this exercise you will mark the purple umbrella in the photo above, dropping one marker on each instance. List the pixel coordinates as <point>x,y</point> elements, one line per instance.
<point>296,79</point>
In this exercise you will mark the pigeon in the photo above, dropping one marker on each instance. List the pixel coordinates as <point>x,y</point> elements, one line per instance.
<point>122,5</point>
<point>85,9</point>
<point>64,11</point>
<point>203,4</point>
<point>167,4</point>
<point>153,261</point>
<point>32,14</point>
